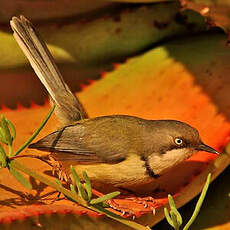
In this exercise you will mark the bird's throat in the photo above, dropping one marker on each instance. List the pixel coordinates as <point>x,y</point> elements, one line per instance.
<point>159,164</point>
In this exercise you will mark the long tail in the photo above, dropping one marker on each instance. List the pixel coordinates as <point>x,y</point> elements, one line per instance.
<point>69,108</point>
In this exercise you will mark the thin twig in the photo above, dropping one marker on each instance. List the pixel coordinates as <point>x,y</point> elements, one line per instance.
<point>32,156</point>
<point>199,203</point>
<point>35,133</point>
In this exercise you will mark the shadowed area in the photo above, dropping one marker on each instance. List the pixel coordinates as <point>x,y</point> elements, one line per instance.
<point>215,210</point>
<point>209,65</point>
<point>27,88</point>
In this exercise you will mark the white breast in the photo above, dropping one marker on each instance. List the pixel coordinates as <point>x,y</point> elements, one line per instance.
<point>126,174</point>
<point>163,162</point>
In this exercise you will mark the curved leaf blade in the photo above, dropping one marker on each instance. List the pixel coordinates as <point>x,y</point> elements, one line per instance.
<point>105,197</point>
<point>20,178</point>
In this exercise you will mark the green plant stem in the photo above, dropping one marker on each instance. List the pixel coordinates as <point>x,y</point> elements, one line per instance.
<point>77,198</point>
<point>44,180</point>
<point>35,133</point>
<point>199,203</point>
<point>10,150</point>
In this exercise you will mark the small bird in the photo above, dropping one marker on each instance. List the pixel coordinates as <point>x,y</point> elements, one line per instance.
<point>123,151</point>
<point>117,151</point>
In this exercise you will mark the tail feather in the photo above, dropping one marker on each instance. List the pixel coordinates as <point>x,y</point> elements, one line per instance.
<point>69,108</point>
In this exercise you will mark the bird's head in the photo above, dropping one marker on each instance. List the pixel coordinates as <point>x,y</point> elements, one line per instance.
<point>173,142</point>
<point>171,134</point>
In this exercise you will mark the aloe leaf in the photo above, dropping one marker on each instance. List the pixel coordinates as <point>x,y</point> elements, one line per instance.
<point>77,181</point>
<point>87,184</point>
<point>216,12</point>
<point>153,23</point>
<point>20,178</point>
<point>142,1</point>
<point>105,197</point>
<point>49,10</point>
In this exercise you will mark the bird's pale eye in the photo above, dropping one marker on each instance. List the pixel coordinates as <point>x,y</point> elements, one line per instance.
<point>178,141</point>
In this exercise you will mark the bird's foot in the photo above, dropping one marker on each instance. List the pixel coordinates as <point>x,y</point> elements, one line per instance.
<point>121,209</point>
<point>147,201</point>
<point>133,206</point>
<point>130,205</point>
<point>58,169</point>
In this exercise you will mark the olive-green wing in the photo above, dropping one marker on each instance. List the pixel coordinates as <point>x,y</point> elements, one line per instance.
<point>91,142</point>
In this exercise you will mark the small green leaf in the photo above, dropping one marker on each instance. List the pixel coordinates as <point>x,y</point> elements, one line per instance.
<point>20,178</point>
<point>59,182</point>
<point>168,218</point>
<point>73,190</point>
<point>3,157</point>
<point>87,184</point>
<point>2,139</point>
<point>77,181</point>
<point>174,220</point>
<point>174,210</point>
<point>12,129</point>
<point>105,205</point>
<point>171,201</point>
<point>178,216</point>
<point>105,197</point>
<point>5,132</point>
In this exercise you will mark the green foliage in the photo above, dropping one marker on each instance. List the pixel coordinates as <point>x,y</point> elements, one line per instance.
<point>7,136</point>
<point>174,218</point>
<point>87,185</point>
<point>105,198</point>
<point>3,162</point>
<point>76,180</point>
<point>19,177</point>
<point>6,128</point>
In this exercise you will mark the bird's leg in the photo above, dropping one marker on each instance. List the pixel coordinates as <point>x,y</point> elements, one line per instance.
<point>41,158</point>
<point>130,195</point>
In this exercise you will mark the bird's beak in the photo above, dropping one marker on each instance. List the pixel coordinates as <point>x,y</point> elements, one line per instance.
<point>206,148</point>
